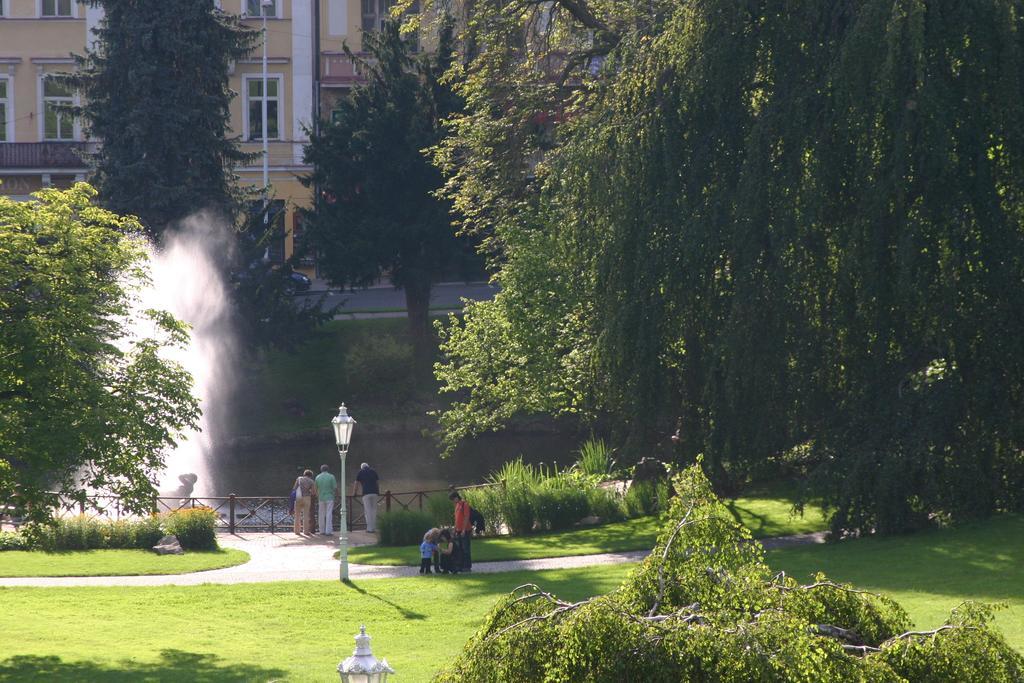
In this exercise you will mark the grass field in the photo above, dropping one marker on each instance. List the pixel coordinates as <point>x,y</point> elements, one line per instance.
<point>114,562</point>
<point>765,514</point>
<point>295,631</point>
<point>930,573</point>
<point>298,631</point>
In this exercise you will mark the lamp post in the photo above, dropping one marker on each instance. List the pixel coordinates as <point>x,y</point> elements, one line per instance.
<point>362,666</point>
<point>343,425</point>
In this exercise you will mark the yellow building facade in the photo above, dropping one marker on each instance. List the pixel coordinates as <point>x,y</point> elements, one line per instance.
<point>307,71</point>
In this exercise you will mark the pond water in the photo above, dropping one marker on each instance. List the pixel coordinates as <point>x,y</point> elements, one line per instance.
<point>405,462</point>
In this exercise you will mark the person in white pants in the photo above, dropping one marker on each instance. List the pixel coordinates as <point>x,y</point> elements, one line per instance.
<point>326,486</point>
<point>368,480</point>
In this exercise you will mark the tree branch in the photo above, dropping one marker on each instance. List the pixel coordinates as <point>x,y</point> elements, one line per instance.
<point>664,558</point>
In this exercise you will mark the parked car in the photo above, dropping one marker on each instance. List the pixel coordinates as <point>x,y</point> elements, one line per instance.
<point>298,282</point>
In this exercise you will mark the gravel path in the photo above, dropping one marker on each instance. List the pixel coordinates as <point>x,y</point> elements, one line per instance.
<point>286,557</point>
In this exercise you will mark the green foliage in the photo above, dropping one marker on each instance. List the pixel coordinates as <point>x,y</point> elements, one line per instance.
<point>78,533</point>
<point>704,606</point>
<point>378,213</point>
<point>522,499</point>
<point>646,498</point>
<point>606,505</point>
<point>149,61</point>
<point>490,501</point>
<point>560,507</point>
<point>12,540</point>
<point>147,532</point>
<point>595,458</point>
<point>382,368</point>
<point>85,402</point>
<point>403,527</point>
<point>441,510</point>
<point>195,528</point>
<point>84,533</point>
<point>805,231</point>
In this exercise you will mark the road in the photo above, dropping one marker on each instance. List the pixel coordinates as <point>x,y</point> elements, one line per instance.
<point>386,298</point>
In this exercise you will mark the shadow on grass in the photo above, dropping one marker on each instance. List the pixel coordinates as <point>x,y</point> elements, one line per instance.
<point>174,665</point>
<point>980,561</point>
<point>405,612</point>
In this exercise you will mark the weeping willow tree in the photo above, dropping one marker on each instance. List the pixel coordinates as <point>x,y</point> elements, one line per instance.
<point>704,606</point>
<point>794,227</point>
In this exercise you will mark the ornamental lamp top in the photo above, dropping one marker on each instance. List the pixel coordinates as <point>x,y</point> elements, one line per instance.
<point>362,665</point>
<point>343,424</point>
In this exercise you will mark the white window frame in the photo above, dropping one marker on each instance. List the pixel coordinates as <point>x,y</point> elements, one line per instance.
<point>276,76</point>
<point>76,128</point>
<point>275,15</point>
<point>73,15</point>
<point>5,10</point>
<point>9,102</point>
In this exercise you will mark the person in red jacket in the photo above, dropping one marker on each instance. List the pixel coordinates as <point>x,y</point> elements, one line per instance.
<point>463,531</point>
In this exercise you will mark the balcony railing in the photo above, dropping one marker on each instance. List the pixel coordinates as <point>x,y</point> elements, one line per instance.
<point>338,69</point>
<point>58,155</point>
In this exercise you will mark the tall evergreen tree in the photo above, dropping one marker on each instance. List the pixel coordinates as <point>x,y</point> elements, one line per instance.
<point>378,212</point>
<point>156,95</point>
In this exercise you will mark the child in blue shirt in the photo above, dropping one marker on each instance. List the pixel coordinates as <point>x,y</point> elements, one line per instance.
<point>427,550</point>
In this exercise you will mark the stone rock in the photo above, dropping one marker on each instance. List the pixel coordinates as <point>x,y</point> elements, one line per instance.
<point>168,545</point>
<point>649,469</point>
<point>590,520</point>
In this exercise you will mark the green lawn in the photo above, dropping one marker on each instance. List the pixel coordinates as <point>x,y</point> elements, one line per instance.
<point>114,562</point>
<point>930,573</point>
<point>295,631</point>
<point>764,515</point>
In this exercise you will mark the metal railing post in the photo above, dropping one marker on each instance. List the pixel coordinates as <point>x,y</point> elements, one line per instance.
<point>231,513</point>
<point>387,501</point>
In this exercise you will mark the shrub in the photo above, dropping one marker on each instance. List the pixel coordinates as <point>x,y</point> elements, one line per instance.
<point>403,527</point>
<point>606,504</point>
<point>119,534</point>
<point>78,533</point>
<point>148,532</point>
<point>559,504</point>
<point>39,536</point>
<point>12,540</point>
<point>488,500</point>
<point>194,528</point>
<point>646,498</point>
<point>440,509</point>
<point>595,458</point>
<point>381,368</point>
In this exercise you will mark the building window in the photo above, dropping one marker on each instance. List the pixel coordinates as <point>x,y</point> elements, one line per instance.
<point>376,12</point>
<point>58,123</point>
<point>373,10</point>
<point>57,8</point>
<point>253,8</point>
<point>254,107</point>
<point>6,107</point>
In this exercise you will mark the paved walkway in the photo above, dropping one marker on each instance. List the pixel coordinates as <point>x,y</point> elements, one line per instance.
<point>286,557</point>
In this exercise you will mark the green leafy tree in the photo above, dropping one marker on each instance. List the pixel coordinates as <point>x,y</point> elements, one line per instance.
<point>704,606</point>
<point>378,212</point>
<point>86,400</point>
<point>156,95</point>
<point>797,233</point>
